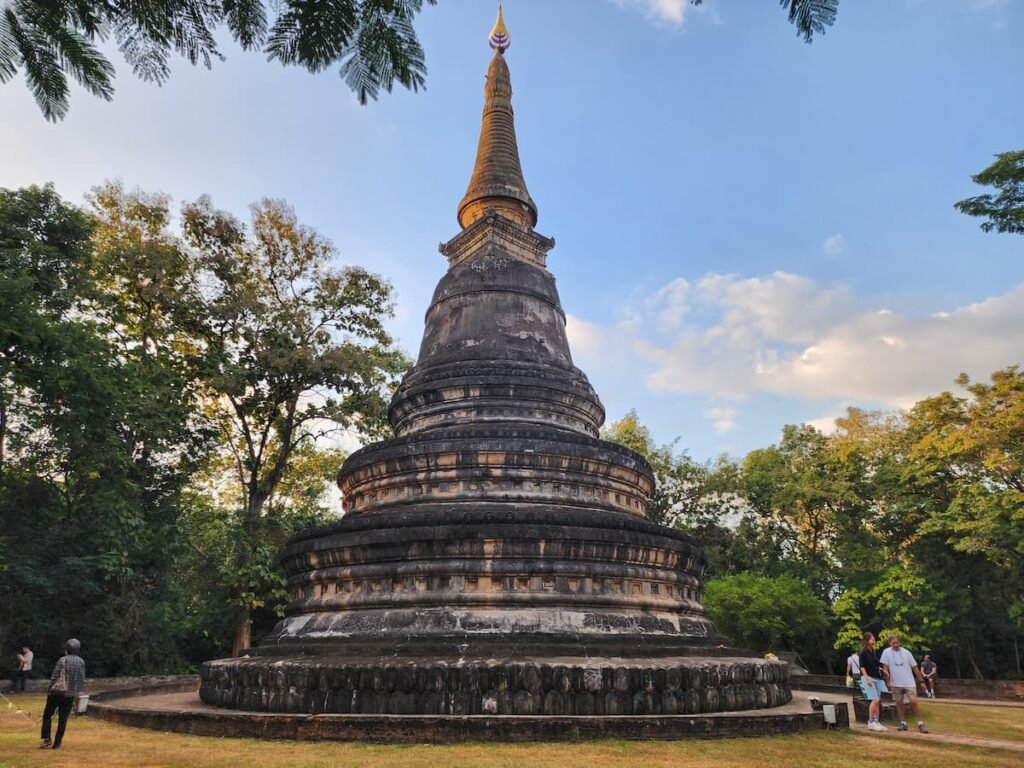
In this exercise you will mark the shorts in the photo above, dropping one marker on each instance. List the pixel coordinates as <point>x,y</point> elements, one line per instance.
<point>904,694</point>
<point>872,692</point>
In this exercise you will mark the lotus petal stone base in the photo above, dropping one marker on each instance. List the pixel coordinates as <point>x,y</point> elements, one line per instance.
<point>334,685</point>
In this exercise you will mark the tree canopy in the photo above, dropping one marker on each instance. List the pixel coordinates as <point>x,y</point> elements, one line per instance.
<point>372,42</point>
<point>1004,211</point>
<point>907,522</point>
<point>164,398</point>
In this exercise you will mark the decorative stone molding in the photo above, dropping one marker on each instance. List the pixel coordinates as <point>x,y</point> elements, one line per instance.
<point>336,685</point>
<point>493,236</point>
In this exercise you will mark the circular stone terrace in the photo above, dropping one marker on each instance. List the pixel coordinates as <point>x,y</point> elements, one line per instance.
<point>175,707</point>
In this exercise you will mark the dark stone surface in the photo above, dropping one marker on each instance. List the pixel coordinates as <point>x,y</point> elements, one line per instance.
<point>342,685</point>
<point>494,558</point>
<point>494,580</point>
<point>440,729</point>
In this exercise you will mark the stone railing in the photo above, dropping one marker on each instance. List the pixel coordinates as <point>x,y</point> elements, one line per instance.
<point>952,688</point>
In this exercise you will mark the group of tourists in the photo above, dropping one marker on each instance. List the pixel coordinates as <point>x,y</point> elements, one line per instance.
<point>896,670</point>
<point>66,682</point>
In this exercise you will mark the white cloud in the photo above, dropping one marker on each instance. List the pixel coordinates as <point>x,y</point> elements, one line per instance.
<point>722,419</point>
<point>669,11</point>
<point>672,302</point>
<point>834,246</point>
<point>785,334</point>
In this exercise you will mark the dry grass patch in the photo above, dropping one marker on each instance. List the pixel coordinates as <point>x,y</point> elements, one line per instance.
<point>91,743</point>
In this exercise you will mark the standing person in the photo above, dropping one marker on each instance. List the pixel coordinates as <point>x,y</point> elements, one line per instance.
<point>24,667</point>
<point>853,669</point>
<point>929,671</point>
<point>901,668</point>
<point>871,682</point>
<point>65,683</point>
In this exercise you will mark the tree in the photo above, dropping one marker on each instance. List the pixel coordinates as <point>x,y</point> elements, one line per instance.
<point>903,602</point>
<point>762,612</point>
<point>968,460</point>
<point>1005,211</point>
<point>373,41</point>
<point>97,446</point>
<point>284,349</point>
<point>686,493</point>
<point>807,491</point>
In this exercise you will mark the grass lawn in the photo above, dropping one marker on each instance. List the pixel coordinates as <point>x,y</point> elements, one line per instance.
<point>968,720</point>
<point>94,743</point>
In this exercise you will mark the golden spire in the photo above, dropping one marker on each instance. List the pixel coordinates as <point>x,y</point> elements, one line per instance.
<point>497,183</point>
<point>499,39</point>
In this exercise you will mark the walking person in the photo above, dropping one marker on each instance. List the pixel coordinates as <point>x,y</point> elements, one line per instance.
<point>853,669</point>
<point>901,668</point>
<point>871,682</point>
<point>65,683</point>
<point>929,671</point>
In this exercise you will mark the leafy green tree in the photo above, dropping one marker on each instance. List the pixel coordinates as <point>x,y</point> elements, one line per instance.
<point>1004,211</point>
<point>94,432</point>
<point>967,459</point>
<point>293,349</point>
<point>283,348</point>
<point>902,601</point>
<point>762,612</point>
<point>373,41</point>
<point>807,492</point>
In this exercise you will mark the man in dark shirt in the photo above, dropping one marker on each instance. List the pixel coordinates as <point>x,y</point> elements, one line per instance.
<point>65,683</point>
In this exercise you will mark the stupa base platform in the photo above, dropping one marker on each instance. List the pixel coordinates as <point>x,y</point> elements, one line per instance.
<point>557,687</point>
<point>178,709</point>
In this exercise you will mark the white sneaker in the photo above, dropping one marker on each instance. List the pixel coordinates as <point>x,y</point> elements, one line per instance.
<point>874,726</point>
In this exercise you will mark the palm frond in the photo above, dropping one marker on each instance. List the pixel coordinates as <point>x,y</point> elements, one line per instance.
<point>147,57</point>
<point>9,56</point>
<point>78,57</point>
<point>193,26</point>
<point>247,21</point>
<point>45,79</point>
<point>313,33</point>
<point>811,17</point>
<point>385,50</point>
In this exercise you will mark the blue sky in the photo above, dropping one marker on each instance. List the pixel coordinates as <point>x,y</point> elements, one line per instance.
<point>751,231</point>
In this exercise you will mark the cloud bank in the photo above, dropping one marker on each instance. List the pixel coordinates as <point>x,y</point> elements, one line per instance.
<point>729,337</point>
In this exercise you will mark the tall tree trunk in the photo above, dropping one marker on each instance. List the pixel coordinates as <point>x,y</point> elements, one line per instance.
<point>243,632</point>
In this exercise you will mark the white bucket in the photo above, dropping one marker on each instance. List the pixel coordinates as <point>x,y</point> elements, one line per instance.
<point>82,704</point>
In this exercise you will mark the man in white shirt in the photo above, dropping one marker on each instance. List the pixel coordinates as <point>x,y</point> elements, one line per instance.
<point>900,669</point>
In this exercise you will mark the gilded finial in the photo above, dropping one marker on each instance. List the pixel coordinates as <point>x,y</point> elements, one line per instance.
<point>500,39</point>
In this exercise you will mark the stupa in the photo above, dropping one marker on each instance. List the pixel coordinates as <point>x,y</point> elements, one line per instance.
<point>494,557</point>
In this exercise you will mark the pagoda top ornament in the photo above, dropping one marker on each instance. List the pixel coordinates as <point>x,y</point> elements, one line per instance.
<point>499,39</point>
